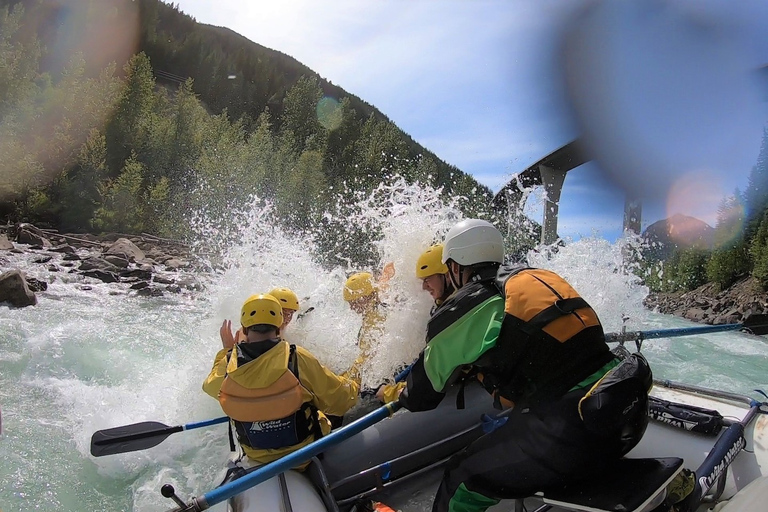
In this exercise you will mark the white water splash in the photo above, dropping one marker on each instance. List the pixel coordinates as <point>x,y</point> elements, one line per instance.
<point>84,360</point>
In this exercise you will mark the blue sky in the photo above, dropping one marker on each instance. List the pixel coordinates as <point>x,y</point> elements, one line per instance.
<point>480,84</point>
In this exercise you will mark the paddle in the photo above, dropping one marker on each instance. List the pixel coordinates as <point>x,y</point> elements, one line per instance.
<point>404,374</point>
<point>148,434</point>
<point>753,324</point>
<point>139,436</point>
<point>287,462</point>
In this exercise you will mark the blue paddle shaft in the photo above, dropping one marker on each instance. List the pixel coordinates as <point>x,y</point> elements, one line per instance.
<point>404,374</point>
<point>296,458</point>
<point>206,423</point>
<point>685,331</point>
<point>669,333</point>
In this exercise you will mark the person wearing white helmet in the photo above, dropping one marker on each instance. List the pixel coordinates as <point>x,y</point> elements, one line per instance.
<point>537,346</point>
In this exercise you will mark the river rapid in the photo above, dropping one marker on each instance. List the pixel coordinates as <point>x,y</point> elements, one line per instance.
<point>85,360</point>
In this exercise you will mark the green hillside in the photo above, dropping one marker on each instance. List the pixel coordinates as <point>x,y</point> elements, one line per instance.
<point>128,115</point>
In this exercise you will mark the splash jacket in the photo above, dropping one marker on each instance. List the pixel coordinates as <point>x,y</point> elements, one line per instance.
<point>392,391</point>
<point>368,336</point>
<point>277,395</point>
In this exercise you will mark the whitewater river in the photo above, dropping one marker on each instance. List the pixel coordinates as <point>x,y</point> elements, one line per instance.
<point>84,360</point>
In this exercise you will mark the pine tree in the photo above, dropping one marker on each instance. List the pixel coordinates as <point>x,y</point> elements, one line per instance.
<point>756,195</point>
<point>126,130</point>
<point>729,229</point>
<point>300,113</point>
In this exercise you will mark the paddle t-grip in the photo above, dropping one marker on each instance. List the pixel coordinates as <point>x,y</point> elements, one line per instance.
<point>168,491</point>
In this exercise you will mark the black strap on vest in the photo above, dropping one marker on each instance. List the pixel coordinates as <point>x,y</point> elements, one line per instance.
<point>293,363</point>
<point>548,315</point>
<point>293,366</point>
<point>469,373</point>
<point>231,437</point>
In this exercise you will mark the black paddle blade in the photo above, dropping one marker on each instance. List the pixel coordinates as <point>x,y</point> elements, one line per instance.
<point>130,438</point>
<point>756,324</point>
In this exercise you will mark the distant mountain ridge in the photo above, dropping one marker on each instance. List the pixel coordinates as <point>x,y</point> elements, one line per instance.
<point>678,232</point>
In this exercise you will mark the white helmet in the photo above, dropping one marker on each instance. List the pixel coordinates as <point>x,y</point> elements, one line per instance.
<point>473,241</point>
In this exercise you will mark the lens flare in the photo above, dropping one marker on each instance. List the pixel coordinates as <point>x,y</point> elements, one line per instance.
<point>82,41</point>
<point>693,197</point>
<point>329,113</point>
<point>656,91</point>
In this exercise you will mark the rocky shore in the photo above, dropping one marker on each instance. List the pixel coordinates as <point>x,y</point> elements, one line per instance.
<point>708,304</point>
<point>151,266</point>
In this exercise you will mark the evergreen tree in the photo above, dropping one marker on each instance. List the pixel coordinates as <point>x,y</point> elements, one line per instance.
<point>300,114</point>
<point>131,119</point>
<point>756,195</point>
<point>77,191</point>
<point>124,204</point>
<point>729,229</point>
<point>759,252</point>
<point>19,59</point>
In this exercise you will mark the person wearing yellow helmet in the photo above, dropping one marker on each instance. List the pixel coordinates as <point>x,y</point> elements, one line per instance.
<point>434,274</point>
<point>434,279</point>
<point>277,396</point>
<point>289,302</point>
<point>362,292</point>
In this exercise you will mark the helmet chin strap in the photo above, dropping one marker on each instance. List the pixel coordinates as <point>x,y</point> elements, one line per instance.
<point>446,291</point>
<point>460,283</point>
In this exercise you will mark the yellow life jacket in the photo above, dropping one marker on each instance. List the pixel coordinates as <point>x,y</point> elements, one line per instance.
<point>270,417</point>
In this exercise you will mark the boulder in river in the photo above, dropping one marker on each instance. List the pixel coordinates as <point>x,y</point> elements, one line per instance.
<point>14,289</point>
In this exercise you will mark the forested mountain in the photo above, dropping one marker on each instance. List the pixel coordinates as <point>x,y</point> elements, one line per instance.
<point>678,232</point>
<point>121,115</point>
<point>735,249</point>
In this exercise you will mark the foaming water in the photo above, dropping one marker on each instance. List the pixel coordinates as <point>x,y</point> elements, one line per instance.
<point>85,360</point>
<point>596,269</point>
<point>406,218</point>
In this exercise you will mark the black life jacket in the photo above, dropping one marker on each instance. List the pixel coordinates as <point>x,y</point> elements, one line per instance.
<point>550,339</point>
<point>254,412</point>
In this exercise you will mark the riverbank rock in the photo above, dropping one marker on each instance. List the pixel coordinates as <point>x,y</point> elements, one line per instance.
<point>14,289</point>
<point>30,237</point>
<point>708,304</point>
<point>144,265</point>
<point>125,249</point>
<point>5,244</point>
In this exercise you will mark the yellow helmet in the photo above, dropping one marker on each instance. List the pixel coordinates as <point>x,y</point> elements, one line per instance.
<point>358,286</point>
<point>286,298</point>
<point>430,262</point>
<point>261,309</point>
